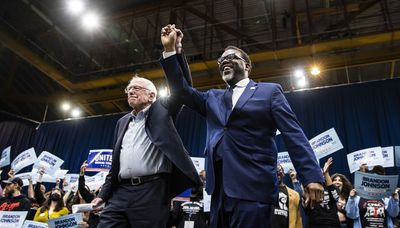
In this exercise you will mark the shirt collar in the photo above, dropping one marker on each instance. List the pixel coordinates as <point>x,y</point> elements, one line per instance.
<point>141,113</point>
<point>242,83</point>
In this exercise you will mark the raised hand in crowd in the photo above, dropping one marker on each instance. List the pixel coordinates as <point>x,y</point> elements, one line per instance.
<point>83,168</point>
<point>353,193</point>
<point>58,180</point>
<point>325,171</point>
<point>11,173</point>
<point>395,194</point>
<point>293,175</point>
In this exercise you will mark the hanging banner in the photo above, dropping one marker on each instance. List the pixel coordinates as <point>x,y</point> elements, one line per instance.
<point>99,160</point>
<point>24,159</point>
<point>373,186</point>
<point>49,162</point>
<point>326,143</point>
<point>32,224</point>
<point>70,221</point>
<point>285,161</point>
<point>12,219</point>
<point>370,156</point>
<point>5,157</point>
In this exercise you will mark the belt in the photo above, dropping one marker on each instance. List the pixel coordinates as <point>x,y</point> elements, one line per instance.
<point>142,179</point>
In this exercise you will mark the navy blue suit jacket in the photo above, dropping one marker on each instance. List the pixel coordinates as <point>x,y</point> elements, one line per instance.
<point>160,129</point>
<point>248,136</point>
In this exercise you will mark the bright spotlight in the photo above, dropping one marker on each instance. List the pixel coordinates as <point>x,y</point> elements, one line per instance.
<point>315,71</point>
<point>163,92</point>
<point>299,73</point>
<point>91,21</point>
<point>302,82</point>
<point>76,112</point>
<point>75,6</point>
<point>65,106</point>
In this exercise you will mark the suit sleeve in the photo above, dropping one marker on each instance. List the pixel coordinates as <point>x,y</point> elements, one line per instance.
<point>296,142</point>
<point>181,91</point>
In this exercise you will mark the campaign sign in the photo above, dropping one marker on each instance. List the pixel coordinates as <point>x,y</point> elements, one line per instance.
<point>198,163</point>
<point>99,160</point>
<point>32,224</point>
<point>5,157</point>
<point>326,143</point>
<point>72,180</point>
<point>388,156</point>
<point>96,181</point>
<point>49,162</point>
<point>285,161</point>
<point>373,186</point>
<point>68,221</point>
<point>25,178</point>
<point>12,219</point>
<point>24,159</point>
<point>370,156</point>
<point>397,153</point>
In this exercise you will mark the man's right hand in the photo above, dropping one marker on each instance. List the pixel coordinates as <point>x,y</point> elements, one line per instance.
<point>168,38</point>
<point>97,202</point>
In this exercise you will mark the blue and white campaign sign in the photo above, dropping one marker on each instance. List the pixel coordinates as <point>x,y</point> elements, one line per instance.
<point>72,180</point>
<point>370,156</point>
<point>198,163</point>
<point>99,160</point>
<point>397,155</point>
<point>373,186</point>
<point>49,162</point>
<point>32,224</point>
<point>12,219</point>
<point>388,156</point>
<point>70,221</point>
<point>5,157</point>
<point>96,181</point>
<point>24,159</point>
<point>285,161</point>
<point>326,143</point>
<point>25,178</point>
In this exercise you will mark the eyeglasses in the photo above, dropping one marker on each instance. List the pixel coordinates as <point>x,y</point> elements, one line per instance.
<point>229,58</point>
<point>134,88</point>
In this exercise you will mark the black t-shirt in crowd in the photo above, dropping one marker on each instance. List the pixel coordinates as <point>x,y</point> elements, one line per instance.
<point>325,213</point>
<point>18,203</point>
<point>188,212</point>
<point>281,210</point>
<point>372,213</point>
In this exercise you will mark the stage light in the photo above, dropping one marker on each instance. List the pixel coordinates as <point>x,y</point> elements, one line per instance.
<point>315,71</point>
<point>163,92</point>
<point>299,73</point>
<point>91,21</point>
<point>65,106</point>
<point>302,82</point>
<point>76,112</point>
<point>75,6</point>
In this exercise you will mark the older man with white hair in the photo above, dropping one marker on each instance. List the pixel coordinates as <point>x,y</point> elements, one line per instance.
<point>150,164</point>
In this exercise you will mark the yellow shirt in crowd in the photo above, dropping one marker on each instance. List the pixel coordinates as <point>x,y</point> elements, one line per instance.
<point>44,216</point>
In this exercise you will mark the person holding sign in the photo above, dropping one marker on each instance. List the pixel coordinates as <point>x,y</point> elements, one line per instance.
<point>372,212</point>
<point>150,164</point>
<point>240,148</point>
<point>13,199</point>
<point>52,208</point>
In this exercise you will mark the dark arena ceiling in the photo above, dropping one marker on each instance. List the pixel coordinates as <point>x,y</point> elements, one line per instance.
<point>47,57</point>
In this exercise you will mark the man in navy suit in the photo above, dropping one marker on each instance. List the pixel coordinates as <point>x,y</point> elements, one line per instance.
<point>150,164</point>
<point>240,147</point>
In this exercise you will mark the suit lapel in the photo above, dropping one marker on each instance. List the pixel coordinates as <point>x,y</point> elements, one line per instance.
<point>247,93</point>
<point>222,106</point>
<point>121,131</point>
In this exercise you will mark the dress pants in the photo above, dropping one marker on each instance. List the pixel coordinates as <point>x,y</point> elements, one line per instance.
<point>236,213</point>
<point>138,206</point>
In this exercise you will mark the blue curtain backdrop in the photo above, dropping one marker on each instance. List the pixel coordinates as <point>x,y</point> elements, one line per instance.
<point>364,115</point>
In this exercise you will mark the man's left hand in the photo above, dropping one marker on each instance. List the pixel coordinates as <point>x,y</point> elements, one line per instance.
<point>314,193</point>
